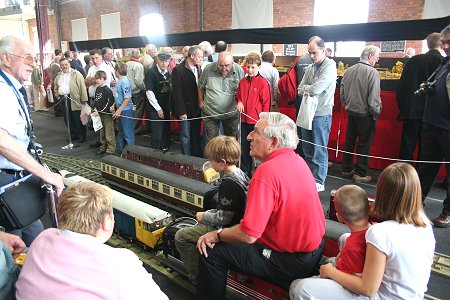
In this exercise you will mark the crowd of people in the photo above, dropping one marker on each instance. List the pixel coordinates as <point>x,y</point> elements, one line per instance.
<point>265,222</point>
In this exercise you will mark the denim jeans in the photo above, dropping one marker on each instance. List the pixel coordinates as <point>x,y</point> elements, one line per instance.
<point>126,129</point>
<point>29,233</point>
<point>190,138</point>
<point>317,157</point>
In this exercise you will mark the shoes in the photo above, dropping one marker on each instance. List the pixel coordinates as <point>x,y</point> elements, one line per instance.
<point>100,152</point>
<point>95,145</point>
<point>362,179</point>
<point>320,187</point>
<point>348,174</point>
<point>165,150</point>
<point>442,221</point>
<point>193,279</point>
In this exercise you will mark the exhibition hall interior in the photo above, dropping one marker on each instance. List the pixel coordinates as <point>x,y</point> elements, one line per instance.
<point>178,74</point>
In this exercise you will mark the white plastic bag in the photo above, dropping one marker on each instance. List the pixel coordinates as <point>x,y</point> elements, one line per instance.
<point>85,114</point>
<point>50,94</point>
<point>307,111</point>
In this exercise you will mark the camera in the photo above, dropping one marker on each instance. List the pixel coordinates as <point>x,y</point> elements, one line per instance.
<point>426,90</point>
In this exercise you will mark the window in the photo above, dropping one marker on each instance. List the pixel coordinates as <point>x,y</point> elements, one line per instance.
<point>151,24</point>
<point>331,12</point>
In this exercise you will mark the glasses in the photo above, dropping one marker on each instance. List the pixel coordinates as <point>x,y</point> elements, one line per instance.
<point>28,59</point>
<point>377,57</point>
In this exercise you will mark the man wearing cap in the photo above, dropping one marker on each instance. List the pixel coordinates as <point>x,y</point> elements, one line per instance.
<point>217,92</point>
<point>157,86</point>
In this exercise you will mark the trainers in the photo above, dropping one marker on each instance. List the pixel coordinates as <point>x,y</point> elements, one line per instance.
<point>348,174</point>
<point>193,279</point>
<point>362,179</point>
<point>320,187</point>
<point>442,221</point>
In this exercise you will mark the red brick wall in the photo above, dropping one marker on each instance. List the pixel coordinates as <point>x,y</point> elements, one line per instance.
<point>184,15</point>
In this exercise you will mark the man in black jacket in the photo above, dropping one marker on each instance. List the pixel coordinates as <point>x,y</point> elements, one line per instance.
<point>416,70</point>
<point>184,90</point>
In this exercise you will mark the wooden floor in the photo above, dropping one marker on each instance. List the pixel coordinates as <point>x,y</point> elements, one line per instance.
<point>51,132</point>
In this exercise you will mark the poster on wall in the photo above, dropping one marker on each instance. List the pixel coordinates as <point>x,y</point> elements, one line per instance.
<point>393,46</point>
<point>290,50</point>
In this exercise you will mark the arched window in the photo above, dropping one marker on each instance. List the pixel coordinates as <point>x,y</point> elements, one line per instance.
<point>151,24</point>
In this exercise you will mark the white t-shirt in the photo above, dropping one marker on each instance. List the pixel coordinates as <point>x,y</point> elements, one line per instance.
<point>409,250</point>
<point>91,73</point>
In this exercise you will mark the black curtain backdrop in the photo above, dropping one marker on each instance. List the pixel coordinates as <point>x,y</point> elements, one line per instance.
<point>379,31</point>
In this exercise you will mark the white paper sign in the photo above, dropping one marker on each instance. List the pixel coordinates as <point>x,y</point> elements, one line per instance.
<point>96,122</point>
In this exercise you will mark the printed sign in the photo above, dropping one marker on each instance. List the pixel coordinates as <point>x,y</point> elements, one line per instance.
<point>393,46</point>
<point>290,49</point>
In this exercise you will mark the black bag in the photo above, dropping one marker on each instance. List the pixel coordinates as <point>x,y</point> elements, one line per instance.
<point>169,247</point>
<point>22,202</point>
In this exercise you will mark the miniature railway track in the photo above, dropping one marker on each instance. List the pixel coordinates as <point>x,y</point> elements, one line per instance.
<point>441,265</point>
<point>88,168</point>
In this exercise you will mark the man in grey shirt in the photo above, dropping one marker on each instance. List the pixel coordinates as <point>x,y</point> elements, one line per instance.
<point>319,81</point>
<point>217,96</point>
<point>360,95</point>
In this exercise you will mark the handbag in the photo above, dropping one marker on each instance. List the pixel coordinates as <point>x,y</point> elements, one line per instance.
<point>307,111</point>
<point>22,202</point>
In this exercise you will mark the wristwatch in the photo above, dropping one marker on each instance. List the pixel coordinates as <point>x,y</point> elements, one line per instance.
<point>218,234</point>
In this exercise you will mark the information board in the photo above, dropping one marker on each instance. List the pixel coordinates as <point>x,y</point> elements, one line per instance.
<point>290,49</point>
<point>393,46</point>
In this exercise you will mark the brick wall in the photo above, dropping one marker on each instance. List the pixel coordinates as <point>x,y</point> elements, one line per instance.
<point>184,15</point>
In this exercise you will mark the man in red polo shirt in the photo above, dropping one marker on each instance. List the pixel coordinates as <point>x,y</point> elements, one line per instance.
<point>280,237</point>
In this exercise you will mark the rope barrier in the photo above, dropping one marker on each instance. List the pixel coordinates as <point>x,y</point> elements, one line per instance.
<point>301,140</point>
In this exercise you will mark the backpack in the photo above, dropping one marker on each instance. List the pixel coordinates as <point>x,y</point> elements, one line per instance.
<point>287,85</point>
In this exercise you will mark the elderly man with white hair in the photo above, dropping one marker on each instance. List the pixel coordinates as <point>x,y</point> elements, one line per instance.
<point>280,237</point>
<point>207,51</point>
<point>148,57</point>
<point>360,95</point>
<point>135,73</point>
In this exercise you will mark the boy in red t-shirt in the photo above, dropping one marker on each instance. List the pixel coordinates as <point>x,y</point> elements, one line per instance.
<point>352,208</point>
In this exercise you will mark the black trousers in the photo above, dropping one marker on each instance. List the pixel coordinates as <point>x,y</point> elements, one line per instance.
<point>360,132</point>
<point>139,102</point>
<point>435,147</point>
<point>299,149</point>
<point>160,138</point>
<point>246,159</point>
<point>411,135</point>
<point>77,129</point>
<point>280,269</point>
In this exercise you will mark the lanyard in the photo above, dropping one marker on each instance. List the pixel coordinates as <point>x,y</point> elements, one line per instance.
<point>19,99</point>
